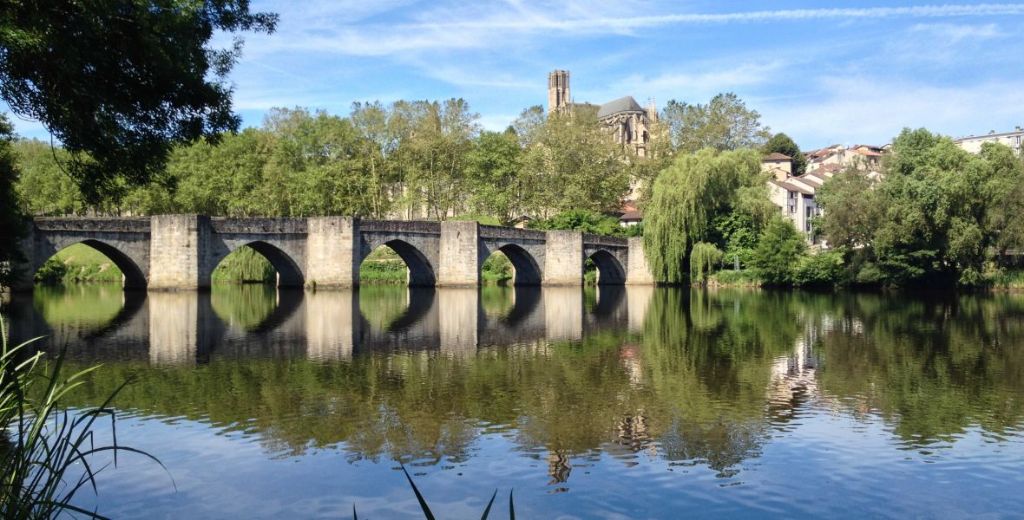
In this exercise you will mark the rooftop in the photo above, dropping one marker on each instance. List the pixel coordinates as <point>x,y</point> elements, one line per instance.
<point>776,156</point>
<point>623,104</point>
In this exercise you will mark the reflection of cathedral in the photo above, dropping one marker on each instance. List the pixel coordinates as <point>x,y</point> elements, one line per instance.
<point>624,118</point>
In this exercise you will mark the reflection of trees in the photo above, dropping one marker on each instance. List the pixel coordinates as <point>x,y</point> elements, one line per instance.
<point>79,307</point>
<point>700,385</point>
<point>243,306</point>
<point>933,367</point>
<point>383,304</point>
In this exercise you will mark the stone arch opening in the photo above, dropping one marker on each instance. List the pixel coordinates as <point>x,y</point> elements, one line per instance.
<point>253,261</point>
<point>510,264</point>
<point>79,261</point>
<point>384,265</point>
<point>609,269</point>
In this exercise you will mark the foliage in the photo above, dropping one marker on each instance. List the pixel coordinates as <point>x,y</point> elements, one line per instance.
<point>580,220</point>
<point>48,460</point>
<point>11,218</point>
<point>778,250</point>
<point>725,123</point>
<point>244,265</point>
<point>734,278</point>
<point>573,165</point>
<point>690,196</point>
<point>782,143</point>
<point>122,82</point>
<point>497,269</point>
<point>43,186</point>
<point>852,209</point>
<point>704,258</point>
<point>821,269</point>
<point>937,218</point>
<point>495,181</point>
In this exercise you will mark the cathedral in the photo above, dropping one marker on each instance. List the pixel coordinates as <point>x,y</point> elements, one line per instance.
<point>624,118</point>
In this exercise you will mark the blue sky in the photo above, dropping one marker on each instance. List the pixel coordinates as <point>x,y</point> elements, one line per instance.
<point>843,72</point>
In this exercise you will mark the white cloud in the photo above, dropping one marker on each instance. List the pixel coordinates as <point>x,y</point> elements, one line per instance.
<point>458,26</point>
<point>873,110</point>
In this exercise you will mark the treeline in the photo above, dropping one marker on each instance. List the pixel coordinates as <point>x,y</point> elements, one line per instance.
<point>938,216</point>
<point>406,160</point>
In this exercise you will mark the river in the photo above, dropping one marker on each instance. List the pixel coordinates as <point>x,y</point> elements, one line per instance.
<point>588,403</point>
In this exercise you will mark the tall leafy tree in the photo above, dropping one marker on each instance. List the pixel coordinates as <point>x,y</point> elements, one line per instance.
<point>689,197</point>
<point>725,123</point>
<point>778,248</point>
<point>435,155</point>
<point>11,218</point>
<point>122,82</point>
<point>496,185</point>
<point>576,166</point>
<point>781,143</point>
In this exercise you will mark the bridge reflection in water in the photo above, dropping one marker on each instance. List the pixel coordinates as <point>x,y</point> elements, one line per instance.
<point>182,328</point>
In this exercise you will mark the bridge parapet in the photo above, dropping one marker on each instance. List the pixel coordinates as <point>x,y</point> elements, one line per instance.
<point>507,233</point>
<point>591,239</point>
<point>400,226</point>
<point>260,225</point>
<point>93,224</point>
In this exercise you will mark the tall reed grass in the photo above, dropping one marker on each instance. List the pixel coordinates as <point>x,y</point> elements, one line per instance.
<point>47,451</point>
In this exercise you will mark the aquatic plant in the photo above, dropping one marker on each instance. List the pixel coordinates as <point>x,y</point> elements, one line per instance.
<point>46,450</point>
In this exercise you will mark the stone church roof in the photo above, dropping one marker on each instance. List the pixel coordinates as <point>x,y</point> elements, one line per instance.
<point>623,104</point>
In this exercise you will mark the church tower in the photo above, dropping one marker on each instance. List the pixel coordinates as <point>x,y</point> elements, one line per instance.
<point>558,90</point>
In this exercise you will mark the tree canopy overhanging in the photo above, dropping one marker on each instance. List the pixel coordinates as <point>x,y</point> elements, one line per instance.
<point>119,83</point>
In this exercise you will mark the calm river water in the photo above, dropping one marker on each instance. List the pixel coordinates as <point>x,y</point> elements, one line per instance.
<point>609,403</point>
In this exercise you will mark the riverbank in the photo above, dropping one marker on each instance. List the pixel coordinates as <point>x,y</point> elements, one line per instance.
<point>1004,281</point>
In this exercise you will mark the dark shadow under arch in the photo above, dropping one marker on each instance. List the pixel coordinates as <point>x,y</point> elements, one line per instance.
<point>288,272</point>
<point>609,270</point>
<point>526,270</point>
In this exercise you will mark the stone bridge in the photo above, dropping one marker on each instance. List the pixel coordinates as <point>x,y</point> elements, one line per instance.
<point>181,251</point>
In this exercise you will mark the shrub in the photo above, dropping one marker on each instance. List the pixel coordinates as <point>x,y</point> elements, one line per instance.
<point>778,249</point>
<point>822,269</point>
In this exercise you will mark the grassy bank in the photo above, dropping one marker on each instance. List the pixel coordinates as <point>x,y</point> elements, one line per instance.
<point>78,263</point>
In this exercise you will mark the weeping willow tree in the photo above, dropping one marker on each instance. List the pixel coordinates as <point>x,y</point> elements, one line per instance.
<point>689,196</point>
<point>703,258</point>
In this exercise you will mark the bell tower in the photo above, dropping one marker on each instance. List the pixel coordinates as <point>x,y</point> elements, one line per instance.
<point>558,90</point>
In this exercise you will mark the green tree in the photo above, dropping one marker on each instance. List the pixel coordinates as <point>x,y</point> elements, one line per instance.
<point>435,155</point>
<point>1004,191</point>
<point>778,252</point>
<point>576,166</point>
<point>581,220</point>
<point>933,228</point>
<point>495,170</point>
<point>704,257</point>
<point>852,210</point>
<point>42,185</point>
<point>121,82</point>
<point>11,218</point>
<point>690,196</point>
<point>725,123</point>
<point>781,143</point>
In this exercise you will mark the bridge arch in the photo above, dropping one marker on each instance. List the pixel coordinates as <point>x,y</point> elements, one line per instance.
<point>133,275</point>
<point>289,274</point>
<point>420,273</point>
<point>609,269</point>
<point>524,265</point>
